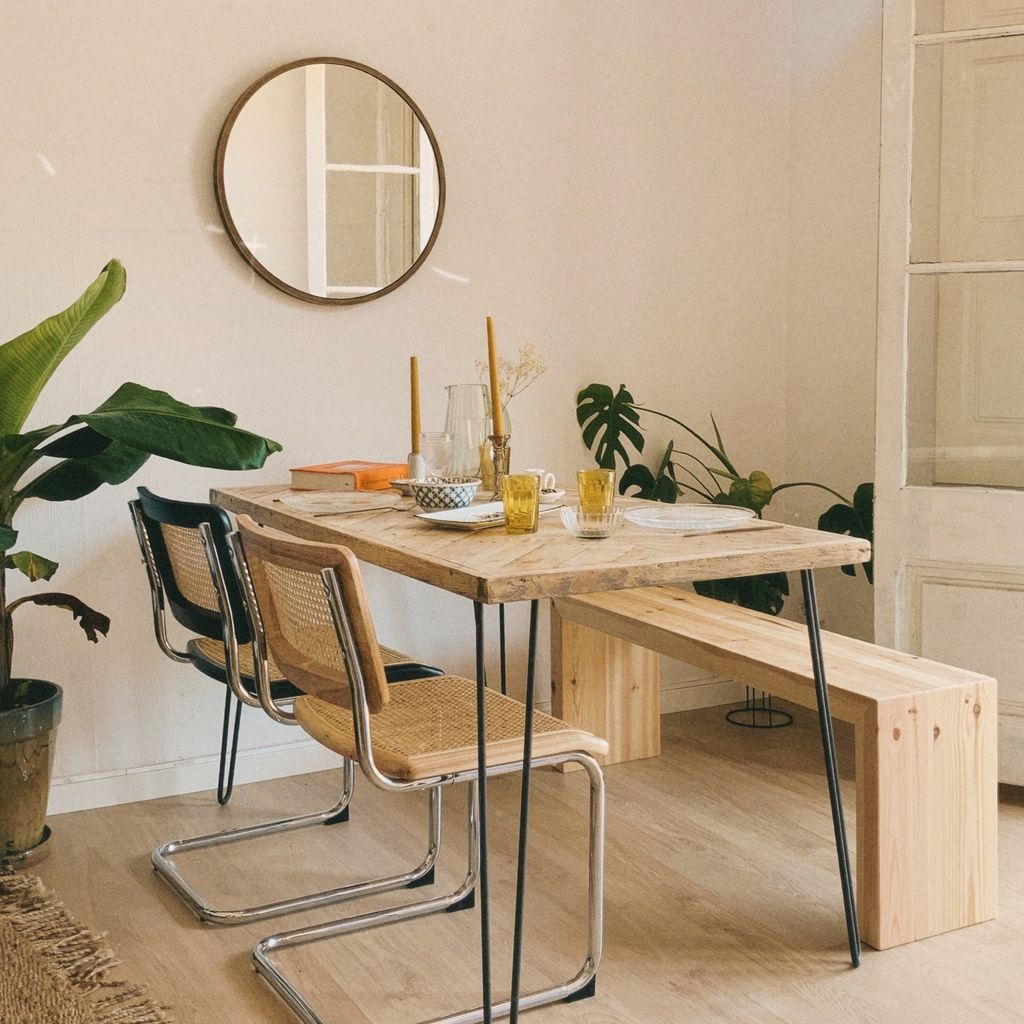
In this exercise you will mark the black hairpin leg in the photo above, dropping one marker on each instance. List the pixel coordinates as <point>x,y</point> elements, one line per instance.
<point>228,760</point>
<point>831,768</point>
<point>524,816</point>
<point>483,887</point>
<point>501,647</point>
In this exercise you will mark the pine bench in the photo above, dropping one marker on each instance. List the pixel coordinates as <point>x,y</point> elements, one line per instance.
<point>925,736</point>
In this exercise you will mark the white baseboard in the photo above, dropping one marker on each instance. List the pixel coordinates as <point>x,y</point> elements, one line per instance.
<point>125,786</point>
<point>1011,744</point>
<point>680,692</point>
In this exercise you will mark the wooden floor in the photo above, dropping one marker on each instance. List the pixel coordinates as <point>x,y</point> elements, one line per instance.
<point>723,901</point>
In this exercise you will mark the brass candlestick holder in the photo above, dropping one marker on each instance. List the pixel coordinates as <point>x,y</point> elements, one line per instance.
<point>501,452</point>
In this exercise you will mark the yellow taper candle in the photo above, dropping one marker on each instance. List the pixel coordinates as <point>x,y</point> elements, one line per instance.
<point>498,421</point>
<point>414,397</point>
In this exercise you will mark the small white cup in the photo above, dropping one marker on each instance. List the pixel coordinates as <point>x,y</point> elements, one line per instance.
<point>547,480</point>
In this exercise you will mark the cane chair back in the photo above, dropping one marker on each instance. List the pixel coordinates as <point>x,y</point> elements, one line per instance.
<point>172,535</point>
<point>287,576</point>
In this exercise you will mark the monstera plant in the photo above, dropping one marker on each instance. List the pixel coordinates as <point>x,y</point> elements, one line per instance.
<point>68,460</point>
<point>611,425</point>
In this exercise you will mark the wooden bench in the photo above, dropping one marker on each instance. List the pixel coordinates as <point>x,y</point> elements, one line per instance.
<point>925,736</point>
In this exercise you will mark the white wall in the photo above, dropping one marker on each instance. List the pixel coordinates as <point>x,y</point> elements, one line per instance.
<point>618,194</point>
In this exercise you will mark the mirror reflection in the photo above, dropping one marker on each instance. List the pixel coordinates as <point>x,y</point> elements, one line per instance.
<point>329,181</point>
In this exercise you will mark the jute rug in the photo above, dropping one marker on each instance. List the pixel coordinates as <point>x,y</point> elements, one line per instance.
<point>54,971</point>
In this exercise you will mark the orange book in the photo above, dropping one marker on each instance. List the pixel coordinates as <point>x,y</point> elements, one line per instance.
<point>348,476</point>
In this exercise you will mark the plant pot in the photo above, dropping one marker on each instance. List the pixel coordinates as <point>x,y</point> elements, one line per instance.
<point>27,741</point>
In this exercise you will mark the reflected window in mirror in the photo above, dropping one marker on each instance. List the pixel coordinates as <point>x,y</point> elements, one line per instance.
<point>329,181</point>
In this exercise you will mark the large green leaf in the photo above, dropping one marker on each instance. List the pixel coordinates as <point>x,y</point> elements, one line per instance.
<point>75,477</point>
<point>93,623</point>
<point>154,422</point>
<point>28,361</point>
<point>8,537</point>
<point>607,418</point>
<point>77,445</point>
<point>753,492</point>
<point>34,566</point>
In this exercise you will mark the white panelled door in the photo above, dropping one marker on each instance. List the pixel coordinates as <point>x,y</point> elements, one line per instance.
<point>949,522</point>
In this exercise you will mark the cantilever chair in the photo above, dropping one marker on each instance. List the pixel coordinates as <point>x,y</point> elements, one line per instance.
<point>309,607</point>
<point>184,548</point>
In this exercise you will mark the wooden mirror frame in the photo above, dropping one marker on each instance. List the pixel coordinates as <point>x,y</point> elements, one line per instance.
<point>229,223</point>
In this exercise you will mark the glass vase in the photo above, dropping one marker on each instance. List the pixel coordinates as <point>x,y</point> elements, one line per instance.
<point>468,423</point>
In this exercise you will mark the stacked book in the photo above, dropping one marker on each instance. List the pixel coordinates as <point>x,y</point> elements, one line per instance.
<point>348,476</point>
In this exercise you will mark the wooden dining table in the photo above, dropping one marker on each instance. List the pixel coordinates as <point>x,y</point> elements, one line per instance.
<point>490,567</point>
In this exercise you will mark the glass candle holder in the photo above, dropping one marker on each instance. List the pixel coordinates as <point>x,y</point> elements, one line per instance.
<point>500,456</point>
<point>520,495</point>
<point>597,489</point>
<point>436,448</point>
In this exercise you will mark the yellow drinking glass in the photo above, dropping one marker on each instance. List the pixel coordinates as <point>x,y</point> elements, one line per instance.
<point>520,494</point>
<point>597,489</point>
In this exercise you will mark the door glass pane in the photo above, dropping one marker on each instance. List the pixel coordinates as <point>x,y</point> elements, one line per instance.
<point>965,400</point>
<point>372,233</point>
<point>968,160</point>
<point>955,15</point>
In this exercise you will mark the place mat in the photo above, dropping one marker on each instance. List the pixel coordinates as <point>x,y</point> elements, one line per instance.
<point>335,503</point>
<point>54,970</point>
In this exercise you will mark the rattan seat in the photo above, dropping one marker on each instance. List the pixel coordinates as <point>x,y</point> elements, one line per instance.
<point>428,728</point>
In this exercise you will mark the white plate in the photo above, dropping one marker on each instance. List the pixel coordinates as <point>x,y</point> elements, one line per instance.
<point>689,516</point>
<point>473,517</point>
<point>552,494</point>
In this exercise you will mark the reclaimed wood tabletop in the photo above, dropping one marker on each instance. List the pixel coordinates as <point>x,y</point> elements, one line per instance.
<point>493,567</point>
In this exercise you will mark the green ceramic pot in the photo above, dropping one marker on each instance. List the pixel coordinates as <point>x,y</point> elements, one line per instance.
<point>27,741</point>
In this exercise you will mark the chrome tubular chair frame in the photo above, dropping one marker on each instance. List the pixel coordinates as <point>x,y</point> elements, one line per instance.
<point>421,874</point>
<point>459,898</point>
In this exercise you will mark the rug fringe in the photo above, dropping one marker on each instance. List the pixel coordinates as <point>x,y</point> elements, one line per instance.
<point>79,955</point>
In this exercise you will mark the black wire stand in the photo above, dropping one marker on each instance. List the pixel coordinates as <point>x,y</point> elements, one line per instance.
<point>758,712</point>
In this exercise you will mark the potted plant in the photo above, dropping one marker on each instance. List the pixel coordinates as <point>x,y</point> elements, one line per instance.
<point>610,424</point>
<point>63,462</point>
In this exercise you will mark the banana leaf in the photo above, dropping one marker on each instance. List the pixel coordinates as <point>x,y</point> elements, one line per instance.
<point>28,361</point>
<point>154,422</point>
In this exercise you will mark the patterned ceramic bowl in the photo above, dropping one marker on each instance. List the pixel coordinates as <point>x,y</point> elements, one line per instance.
<point>437,493</point>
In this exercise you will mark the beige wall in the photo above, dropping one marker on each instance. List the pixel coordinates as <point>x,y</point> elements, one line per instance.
<point>833,260</point>
<point>623,184</point>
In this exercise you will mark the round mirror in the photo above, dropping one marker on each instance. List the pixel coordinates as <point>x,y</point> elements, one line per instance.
<point>329,181</point>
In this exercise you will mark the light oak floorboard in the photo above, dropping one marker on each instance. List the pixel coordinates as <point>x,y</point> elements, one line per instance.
<point>723,898</point>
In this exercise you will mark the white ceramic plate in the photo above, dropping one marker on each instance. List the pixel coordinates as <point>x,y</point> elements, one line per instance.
<point>690,516</point>
<point>474,517</point>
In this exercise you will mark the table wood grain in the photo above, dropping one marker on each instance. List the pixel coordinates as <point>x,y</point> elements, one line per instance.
<point>492,567</point>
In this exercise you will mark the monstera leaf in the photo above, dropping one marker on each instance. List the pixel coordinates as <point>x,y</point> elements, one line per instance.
<point>857,520</point>
<point>659,486</point>
<point>608,419</point>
